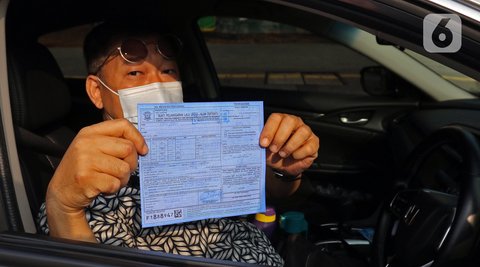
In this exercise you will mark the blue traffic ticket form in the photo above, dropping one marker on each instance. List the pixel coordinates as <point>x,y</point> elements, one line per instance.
<point>204,161</point>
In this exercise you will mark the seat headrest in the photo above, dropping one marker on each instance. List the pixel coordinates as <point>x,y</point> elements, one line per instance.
<point>38,92</point>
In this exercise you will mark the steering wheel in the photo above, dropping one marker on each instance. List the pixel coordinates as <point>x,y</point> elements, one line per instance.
<point>422,227</point>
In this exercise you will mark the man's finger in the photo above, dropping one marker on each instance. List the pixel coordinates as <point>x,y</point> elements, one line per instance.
<point>295,141</point>
<point>114,146</point>
<point>309,149</point>
<point>287,127</point>
<point>104,183</point>
<point>269,129</point>
<point>112,166</point>
<point>118,128</point>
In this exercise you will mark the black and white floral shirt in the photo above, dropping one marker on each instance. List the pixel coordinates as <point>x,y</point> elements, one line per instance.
<point>116,220</point>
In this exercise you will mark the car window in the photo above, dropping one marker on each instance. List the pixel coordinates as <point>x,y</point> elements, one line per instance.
<point>459,79</point>
<point>66,47</point>
<point>262,54</point>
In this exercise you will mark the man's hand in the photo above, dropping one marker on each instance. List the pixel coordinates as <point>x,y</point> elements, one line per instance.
<point>292,146</point>
<point>99,160</point>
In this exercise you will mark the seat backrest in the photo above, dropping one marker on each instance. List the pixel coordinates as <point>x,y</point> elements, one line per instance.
<point>41,102</point>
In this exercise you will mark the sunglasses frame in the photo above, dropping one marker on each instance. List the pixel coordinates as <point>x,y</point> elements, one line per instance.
<point>177,40</point>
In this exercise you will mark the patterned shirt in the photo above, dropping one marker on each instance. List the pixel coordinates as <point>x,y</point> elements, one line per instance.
<point>116,220</point>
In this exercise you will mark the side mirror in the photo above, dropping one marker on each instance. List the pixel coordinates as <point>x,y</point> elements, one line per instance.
<point>378,81</point>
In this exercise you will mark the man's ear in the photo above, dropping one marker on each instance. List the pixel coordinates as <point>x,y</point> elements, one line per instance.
<point>93,90</point>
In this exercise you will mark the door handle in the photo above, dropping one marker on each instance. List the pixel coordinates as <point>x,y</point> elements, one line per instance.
<point>346,120</point>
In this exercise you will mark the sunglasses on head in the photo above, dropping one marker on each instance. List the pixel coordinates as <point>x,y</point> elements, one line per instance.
<point>135,50</point>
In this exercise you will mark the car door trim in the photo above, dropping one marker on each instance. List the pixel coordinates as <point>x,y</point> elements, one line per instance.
<point>7,121</point>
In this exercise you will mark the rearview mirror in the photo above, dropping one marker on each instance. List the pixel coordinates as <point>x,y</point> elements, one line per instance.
<point>382,41</point>
<point>378,81</point>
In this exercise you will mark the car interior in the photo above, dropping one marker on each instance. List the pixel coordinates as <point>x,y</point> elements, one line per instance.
<point>376,167</point>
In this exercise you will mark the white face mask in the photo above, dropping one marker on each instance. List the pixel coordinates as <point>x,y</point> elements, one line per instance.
<point>159,92</point>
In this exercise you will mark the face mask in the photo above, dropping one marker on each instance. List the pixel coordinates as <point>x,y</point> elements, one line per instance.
<point>159,92</point>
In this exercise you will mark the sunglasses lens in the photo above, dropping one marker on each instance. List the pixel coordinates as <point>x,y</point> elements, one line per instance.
<point>133,50</point>
<point>169,46</point>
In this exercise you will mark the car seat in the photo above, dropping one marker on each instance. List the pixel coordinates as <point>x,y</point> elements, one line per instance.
<point>41,102</point>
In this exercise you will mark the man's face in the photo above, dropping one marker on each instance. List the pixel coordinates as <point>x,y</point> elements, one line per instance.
<point>120,74</point>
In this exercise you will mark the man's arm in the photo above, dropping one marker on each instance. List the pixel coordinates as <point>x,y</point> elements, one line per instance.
<point>99,160</point>
<point>291,147</point>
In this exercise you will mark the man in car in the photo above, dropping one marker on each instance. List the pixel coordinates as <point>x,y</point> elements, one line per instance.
<point>92,195</point>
